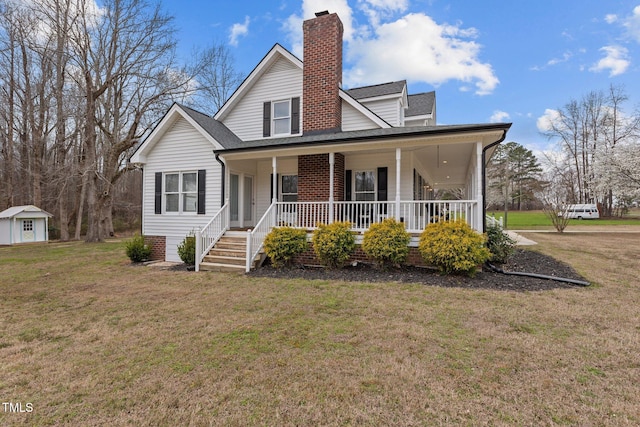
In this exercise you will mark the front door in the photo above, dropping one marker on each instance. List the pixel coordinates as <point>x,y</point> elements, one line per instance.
<point>28,231</point>
<point>241,200</point>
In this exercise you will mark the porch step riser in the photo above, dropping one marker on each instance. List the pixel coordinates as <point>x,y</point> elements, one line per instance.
<point>230,246</point>
<point>240,253</point>
<point>225,268</point>
<point>225,260</point>
<point>233,240</point>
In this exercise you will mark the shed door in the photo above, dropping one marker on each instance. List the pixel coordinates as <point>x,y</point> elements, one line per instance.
<point>28,231</point>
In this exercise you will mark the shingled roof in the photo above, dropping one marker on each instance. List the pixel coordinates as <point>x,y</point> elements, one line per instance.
<point>378,90</point>
<point>421,104</point>
<point>358,136</point>
<point>213,127</point>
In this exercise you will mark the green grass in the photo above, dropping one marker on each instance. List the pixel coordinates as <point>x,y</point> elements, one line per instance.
<point>89,339</point>
<point>523,220</point>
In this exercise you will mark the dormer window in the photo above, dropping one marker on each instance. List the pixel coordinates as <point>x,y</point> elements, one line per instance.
<point>281,117</point>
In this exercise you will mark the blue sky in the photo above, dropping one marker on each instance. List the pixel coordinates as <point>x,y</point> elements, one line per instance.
<point>488,61</point>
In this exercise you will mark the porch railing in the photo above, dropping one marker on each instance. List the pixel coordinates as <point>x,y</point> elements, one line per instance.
<point>211,233</point>
<point>416,215</point>
<point>255,237</point>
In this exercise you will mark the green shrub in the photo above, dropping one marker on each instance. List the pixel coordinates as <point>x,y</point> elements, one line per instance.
<point>282,244</point>
<point>333,243</point>
<point>499,244</point>
<point>387,242</point>
<point>453,247</point>
<point>137,250</point>
<point>187,249</point>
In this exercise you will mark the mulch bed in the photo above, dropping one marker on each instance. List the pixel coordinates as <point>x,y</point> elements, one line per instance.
<point>522,261</point>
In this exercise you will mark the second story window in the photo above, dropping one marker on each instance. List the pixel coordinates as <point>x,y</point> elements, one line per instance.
<point>281,117</point>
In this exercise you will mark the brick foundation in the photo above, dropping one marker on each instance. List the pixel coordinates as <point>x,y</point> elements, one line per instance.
<point>308,257</point>
<point>158,246</point>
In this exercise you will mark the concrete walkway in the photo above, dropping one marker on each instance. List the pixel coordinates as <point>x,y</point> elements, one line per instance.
<point>520,241</point>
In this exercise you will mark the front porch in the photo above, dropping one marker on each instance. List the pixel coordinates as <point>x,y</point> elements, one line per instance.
<point>360,178</point>
<point>416,215</point>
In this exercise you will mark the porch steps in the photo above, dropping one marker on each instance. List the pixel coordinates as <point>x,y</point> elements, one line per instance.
<point>229,254</point>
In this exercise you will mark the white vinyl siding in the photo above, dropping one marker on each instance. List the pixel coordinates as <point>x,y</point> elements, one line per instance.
<point>182,148</point>
<point>353,119</point>
<point>387,109</point>
<point>263,180</point>
<point>282,81</point>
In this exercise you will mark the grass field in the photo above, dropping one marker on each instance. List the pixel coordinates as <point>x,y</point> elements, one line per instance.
<point>535,220</point>
<point>87,339</point>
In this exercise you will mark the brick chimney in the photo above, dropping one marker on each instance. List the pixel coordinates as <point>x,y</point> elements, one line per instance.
<point>322,74</point>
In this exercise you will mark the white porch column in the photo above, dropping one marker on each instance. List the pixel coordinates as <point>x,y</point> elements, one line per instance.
<point>332,162</point>
<point>274,180</point>
<point>478,190</point>
<point>398,166</point>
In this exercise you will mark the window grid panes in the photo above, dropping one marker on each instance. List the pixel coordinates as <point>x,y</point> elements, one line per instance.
<point>181,192</point>
<point>281,117</point>
<point>27,225</point>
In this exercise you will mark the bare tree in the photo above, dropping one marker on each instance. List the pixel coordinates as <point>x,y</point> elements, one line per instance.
<point>129,72</point>
<point>588,132</point>
<point>216,78</point>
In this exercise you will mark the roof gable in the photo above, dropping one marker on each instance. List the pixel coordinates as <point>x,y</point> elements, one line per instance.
<point>213,131</point>
<point>276,53</point>
<point>26,209</point>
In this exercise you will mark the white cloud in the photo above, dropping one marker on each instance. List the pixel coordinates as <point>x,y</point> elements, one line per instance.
<point>377,10</point>
<point>610,18</point>
<point>545,122</point>
<point>632,24</point>
<point>412,47</point>
<point>499,116</point>
<point>418,49</point>
<point>293,24</point>
<point>615,60</point>
<point>238,30</point>
<point>565,57</point>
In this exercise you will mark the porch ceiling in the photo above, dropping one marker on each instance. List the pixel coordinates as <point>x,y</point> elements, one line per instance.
<point>446,165</point>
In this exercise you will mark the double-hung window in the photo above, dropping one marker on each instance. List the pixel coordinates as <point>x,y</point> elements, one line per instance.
<point>281,117</point>
<point>181,192</point>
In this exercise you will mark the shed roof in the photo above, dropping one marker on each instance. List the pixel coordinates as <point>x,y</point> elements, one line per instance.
<point>24,211</point>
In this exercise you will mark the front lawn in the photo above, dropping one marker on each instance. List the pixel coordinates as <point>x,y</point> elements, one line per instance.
<point>88,339</point>
<point>533,220</point>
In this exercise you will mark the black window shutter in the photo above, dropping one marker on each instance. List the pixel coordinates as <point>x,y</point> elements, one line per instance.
<point>158,193</point>
<point>266,119</point>
<point>271,186</point>
<point>202,191</point>
<point>295,115</point>
<point>347,185</point>
<point>382,184</point>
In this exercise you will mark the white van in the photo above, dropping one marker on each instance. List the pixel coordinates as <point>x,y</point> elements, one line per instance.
<point>582,211</point>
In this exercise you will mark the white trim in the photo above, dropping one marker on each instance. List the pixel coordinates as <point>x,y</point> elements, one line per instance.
<point>363,110</point>
<point>174,113</point>
<point>273,55</point>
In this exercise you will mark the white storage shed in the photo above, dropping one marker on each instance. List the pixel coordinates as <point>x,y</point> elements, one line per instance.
<point>21,224</point>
